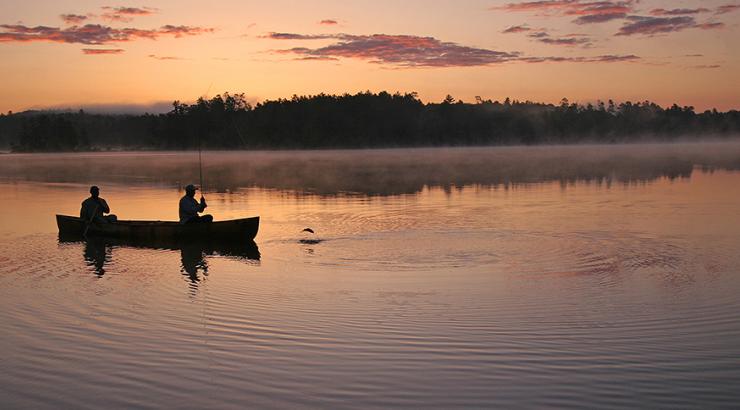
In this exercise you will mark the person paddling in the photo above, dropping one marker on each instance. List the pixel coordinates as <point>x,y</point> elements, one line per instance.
<point>94,208</point>
<point>190,208</point>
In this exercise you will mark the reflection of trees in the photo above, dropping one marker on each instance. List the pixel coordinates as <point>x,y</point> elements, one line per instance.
<point>382,172</point>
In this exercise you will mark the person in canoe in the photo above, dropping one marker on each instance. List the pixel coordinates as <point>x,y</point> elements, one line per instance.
<point>190,208</point>
<point>94,208</point>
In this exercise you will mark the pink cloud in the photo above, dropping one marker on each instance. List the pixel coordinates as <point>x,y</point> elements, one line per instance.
<point>569,40</point>
<point>599,18</point>
<point>399,50</point>
<point>414,51</point>
<point>317,58</point>
<point>294,36</point>
<point>328,22</point>
<point>73,18</point>
<point>516,29</point>
<point>655,25</point>
<point>91,33</point>
<point>710,25</point>
<point>156,57</point>
<point>677,12</point>
<point>566,41</point>
<point>182,31</point>
<point>609,58</point>
<point>103,51</point>
<point>126,14</point>
<point>727,8</point>
<point>588,12</point>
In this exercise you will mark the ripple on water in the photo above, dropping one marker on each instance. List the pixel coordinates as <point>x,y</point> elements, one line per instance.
<point>375,320</point>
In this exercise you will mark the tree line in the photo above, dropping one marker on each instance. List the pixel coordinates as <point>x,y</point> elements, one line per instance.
<point>361,120</point>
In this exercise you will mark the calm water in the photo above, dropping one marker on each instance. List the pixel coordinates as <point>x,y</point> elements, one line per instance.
<point>497,277</point>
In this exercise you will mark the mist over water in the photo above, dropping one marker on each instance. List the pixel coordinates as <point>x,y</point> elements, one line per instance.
<point>598,276</point>
<point>379,172</point>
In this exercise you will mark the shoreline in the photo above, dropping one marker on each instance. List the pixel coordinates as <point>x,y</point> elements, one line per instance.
<point>111,150</point>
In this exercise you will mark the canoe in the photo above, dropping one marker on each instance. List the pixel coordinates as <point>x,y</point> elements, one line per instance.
<point>240,229</point>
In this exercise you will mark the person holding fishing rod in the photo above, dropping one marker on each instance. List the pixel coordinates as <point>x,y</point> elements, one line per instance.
<point>94,208</point>
<point>190,207</point>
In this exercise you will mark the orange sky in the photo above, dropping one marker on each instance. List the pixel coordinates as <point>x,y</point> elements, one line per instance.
<point>89,53</point>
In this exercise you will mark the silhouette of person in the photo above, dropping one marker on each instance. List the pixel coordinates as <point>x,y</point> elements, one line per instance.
<point>190,208</point>
<point>94,208</point>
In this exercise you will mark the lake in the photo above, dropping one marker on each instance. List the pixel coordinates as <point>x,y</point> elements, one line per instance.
<point>580,277</point>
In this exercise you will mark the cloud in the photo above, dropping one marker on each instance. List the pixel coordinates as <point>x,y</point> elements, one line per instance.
<point>126,14</point>
<point>516,29</point>
<point>317,58</point>
<point>538,34</point>
<point>588,11</point>
<point>73,18</point>
<point>727,8</point>
<point>91,34</point>
<point>706,66</point>
<point>546,5</point>
<point>599,18</point>
<point>294,36</point>
<point>566,41</point>
<point>414,51</point>
<point>710,25</point>
<point>98,51</point>
<point>655,25</point>
<point>609,58</point>
<point>328,22</point>
<point>399,50</point>
<point>569,40</point>
<point>181,31</point>
<point>677,12</point>
<point>156,57</point>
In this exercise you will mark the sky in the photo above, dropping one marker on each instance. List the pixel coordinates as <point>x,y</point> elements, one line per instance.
<point>136,57</point>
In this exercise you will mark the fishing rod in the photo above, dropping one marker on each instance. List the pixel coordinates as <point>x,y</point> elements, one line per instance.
<point>200,165</point>
<point>200,154</point>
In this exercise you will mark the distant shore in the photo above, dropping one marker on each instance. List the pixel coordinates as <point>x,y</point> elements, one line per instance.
<point>363,120</point>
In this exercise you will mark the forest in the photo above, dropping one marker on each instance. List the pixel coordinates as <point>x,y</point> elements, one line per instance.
<point>362,120</point>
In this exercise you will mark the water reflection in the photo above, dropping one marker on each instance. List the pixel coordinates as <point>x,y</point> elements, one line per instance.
<point>193,260</point>
<point>98,252</point>
<point>436,297</point>
<point>381,172</point>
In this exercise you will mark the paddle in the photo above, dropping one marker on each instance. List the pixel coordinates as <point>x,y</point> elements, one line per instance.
<point>87,225</point>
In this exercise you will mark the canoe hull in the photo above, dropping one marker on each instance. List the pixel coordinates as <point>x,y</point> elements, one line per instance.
<point>242,229</point>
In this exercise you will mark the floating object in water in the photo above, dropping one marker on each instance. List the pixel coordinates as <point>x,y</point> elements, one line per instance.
<point>311,241</point>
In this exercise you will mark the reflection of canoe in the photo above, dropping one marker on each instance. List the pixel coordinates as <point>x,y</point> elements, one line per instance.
<point>234,229</point>
<point>235,248</point>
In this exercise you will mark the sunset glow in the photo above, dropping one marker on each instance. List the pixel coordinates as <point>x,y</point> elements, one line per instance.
<point>99,54</point>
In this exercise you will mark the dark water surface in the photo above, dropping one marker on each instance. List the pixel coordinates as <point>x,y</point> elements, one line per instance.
<point>589,277</point>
